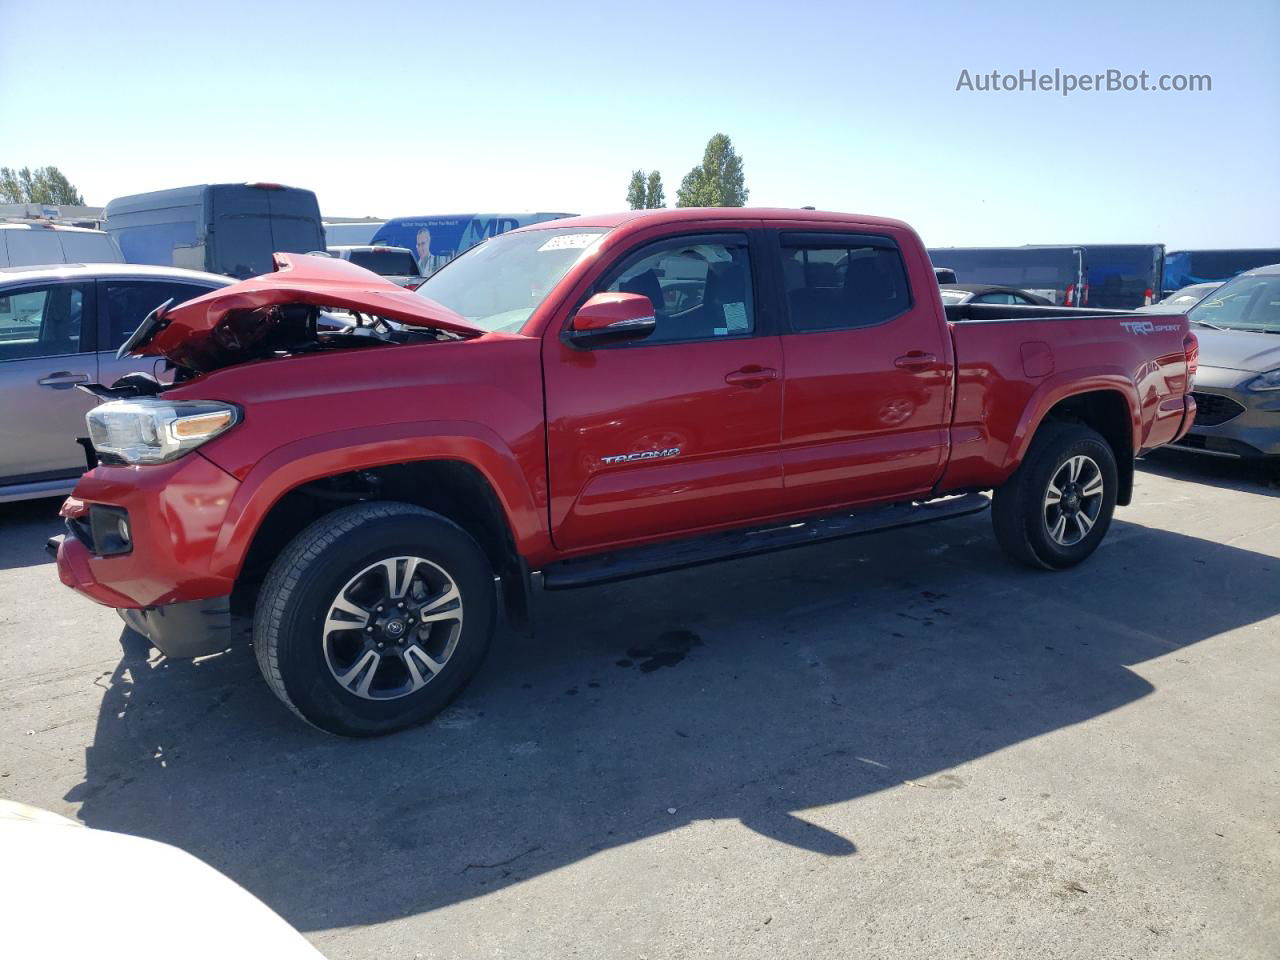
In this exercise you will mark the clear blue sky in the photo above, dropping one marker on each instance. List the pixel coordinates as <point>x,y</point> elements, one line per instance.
<point>393,108</point>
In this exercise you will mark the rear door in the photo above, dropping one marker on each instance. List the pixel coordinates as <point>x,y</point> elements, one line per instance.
<point>868,371</point>
<point>678,432</point>
<point>240,232</point>
<point>122,304</point>
<point>47,338</point>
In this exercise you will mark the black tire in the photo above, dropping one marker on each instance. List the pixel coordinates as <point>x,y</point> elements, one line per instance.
<point>289,626</point>
<point>1018,511</point>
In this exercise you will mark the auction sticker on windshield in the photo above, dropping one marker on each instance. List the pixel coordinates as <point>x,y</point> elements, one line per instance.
<point>570,241</point>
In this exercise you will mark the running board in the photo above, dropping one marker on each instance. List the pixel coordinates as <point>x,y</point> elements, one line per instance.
<point>640,561</point>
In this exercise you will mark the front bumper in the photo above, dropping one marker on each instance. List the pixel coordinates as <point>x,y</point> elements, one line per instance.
<point>1232,421</point>
<point>184,629</point>
<point>178,630</point>
<point>163,587</point>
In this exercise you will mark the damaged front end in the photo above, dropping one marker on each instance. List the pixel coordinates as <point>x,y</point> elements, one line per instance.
<point>289,311</point>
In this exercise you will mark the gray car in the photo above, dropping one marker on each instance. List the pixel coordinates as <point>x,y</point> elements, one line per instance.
<point>1237,387</point>
<point>60,326</point>
<point>1180,301</point>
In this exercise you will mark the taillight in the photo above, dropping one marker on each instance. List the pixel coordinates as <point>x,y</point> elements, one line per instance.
<point>1070,300</point>
<point>1191,347</point>
<point>1146,297</point>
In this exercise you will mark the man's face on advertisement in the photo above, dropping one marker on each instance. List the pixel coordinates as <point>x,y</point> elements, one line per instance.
<point>424,244</point>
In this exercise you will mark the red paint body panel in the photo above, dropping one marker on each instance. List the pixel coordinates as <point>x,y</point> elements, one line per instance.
<point>858,427</point>
<point>176,512</point>
<point>773,426</point>
<point>306,417</point>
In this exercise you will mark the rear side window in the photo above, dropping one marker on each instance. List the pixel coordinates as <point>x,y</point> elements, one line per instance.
<point>842,283</point>
<point>128,302</point>
<point>34,247</point>
<point>387,263</point>
<point>46,321</point>
<point>700,288</point>
<point>88,247</point>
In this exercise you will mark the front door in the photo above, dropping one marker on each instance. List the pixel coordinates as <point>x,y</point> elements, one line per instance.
<point>46,350</point>
<point>677,432</point>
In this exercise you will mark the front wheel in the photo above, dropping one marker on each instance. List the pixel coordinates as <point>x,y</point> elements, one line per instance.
<point>374,618</point>
<point>1056,508</point>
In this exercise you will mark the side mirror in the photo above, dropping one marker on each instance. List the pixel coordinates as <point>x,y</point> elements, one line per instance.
<point>611,318</point>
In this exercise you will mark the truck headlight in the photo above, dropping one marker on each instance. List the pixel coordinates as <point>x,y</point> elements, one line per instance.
<point>153,430</point>
<point>1268,381</point>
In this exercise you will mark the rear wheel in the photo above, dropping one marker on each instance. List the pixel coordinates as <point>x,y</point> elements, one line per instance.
<point>374,618</point>
<point>1056,508</point>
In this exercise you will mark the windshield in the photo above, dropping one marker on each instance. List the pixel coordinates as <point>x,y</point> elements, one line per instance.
<point>1189,296</point>
<point>953,296</point>
<point>498,284</point>
<point>1245,303</point>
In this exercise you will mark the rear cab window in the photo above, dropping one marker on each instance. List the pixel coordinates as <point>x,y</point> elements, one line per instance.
<point>386,263</point>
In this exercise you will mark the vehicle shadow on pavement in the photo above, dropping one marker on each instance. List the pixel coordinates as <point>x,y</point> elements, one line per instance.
<point>1243,475</point>
<point>751,691</point>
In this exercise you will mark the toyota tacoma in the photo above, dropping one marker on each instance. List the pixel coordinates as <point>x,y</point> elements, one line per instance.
<point>375,473</point>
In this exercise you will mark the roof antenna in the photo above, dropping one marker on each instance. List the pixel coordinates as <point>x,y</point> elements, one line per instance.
<point>808,208</point>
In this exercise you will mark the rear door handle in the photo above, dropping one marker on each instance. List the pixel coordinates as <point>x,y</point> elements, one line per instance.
<point>63,380</point>
<point>752,376</point>
<point>915,359</point>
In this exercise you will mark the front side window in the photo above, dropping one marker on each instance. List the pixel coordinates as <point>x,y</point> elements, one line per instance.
<point>42,322</point>
<point>129,301</point>
<point>497,285</point>
<point>843,285</point>
<point>700,289</point>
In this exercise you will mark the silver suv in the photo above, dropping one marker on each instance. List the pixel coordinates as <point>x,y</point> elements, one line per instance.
<point>60,326</point>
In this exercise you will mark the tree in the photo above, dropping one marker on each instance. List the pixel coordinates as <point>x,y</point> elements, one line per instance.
<point>655,196</point>
<point>716,182</point>
<point>645,192</point>
<point>635,191</point>
<point>43,185</point>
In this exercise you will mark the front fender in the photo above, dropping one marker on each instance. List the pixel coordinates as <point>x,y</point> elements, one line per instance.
<point>323,455</point>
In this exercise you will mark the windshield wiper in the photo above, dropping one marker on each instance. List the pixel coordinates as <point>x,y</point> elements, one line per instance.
<point>1211,326</point>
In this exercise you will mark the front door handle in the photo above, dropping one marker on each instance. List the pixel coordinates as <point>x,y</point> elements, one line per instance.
<point>915,359</point>
<point>63,380</point>
<point>751,376</point>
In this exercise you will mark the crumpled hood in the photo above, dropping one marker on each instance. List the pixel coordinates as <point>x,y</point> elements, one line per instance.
<point>1238,349</point>
<point>229,320</point>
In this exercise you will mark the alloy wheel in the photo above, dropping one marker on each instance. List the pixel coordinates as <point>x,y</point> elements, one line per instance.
<point>1073,500</point>
<point>392,628</point>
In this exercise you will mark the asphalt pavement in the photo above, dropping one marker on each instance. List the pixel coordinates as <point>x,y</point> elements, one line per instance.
<point>892,746</point>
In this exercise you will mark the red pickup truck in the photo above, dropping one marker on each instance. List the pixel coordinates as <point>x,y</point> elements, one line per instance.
<point>581,401</point>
